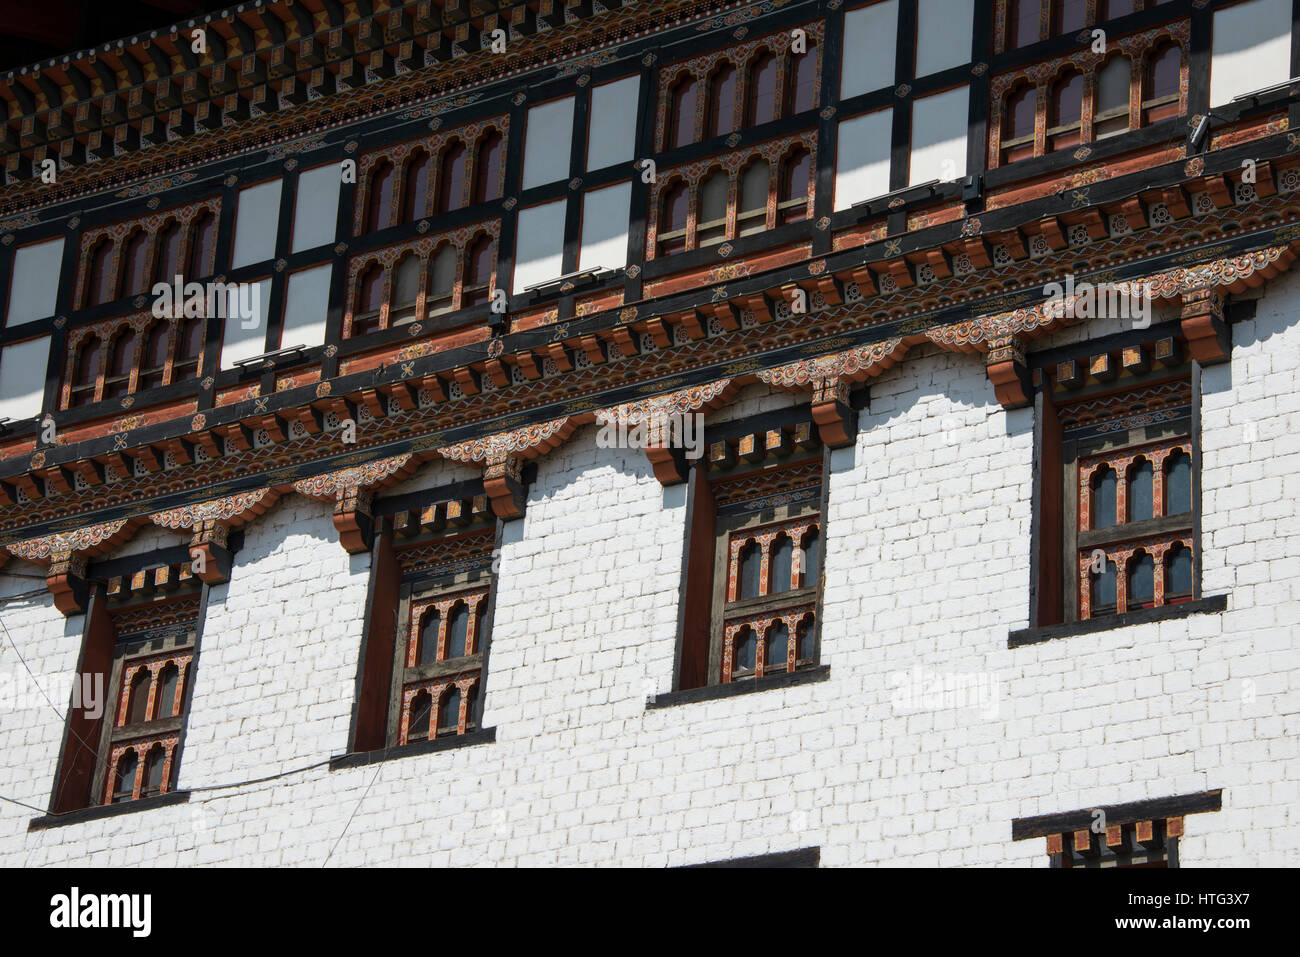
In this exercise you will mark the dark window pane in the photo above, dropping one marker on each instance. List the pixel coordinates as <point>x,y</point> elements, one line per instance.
<point>449,712</point>
<point>167,682</point>
<point>1178,484</point>
<point>138,707</point>
<point>1164,72</point>
<point>1178,571</point>
<point>1141,580</point>
<point>1067,100</point>
<point>751,557</point>
<point>205,237</point>
<point>805,70</point>
<point>1141,492</point>
<point>381,198</point>
<point>782,562</point>
<point>775,647</point>
<point>153,771</point>
<point>169,253</point>
<point>1103,588</point>
<point>1103,497</point>
<point>479,272</point>
<point>762,90</point>
<point>746,649</point>
<point>682,119</point>
<point>429,637</point>
<point>418,728</point>
<point>811,556</point>
<point>1022,22</point>
<point>1021,109</point>
<point>1069,16</point>
<point>417,187</point>
<point>134,278</point>
<point>125,784</point>
<point>722,101</point>
<point>452,194</point>
<point>457,630</point>
<point>487,171</point>
<point>804,639</point>
<point>100,284</point>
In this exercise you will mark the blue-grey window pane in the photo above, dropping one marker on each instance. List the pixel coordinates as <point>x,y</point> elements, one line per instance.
<point>751,558</point>
<point>1141,492</point>
<point>746,649</point>
<point>429,637</point>
<point>1141,580</point>
<point>457,629</point>
<point>1178,487</point>
<point>782,564</point>
<point>778,643</point>
<point>449,714</point>
<point>1179,571</point>
<point>418,729</point>
<point>1103,498</point>
<point>1103,588</point>
<point>811,557</point>
<point>805,639</point>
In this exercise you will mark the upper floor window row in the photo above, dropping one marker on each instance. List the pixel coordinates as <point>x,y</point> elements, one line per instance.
<point>1022,22</point>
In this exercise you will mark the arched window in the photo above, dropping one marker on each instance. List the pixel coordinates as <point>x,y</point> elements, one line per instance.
<point>775,648</point>
<point>803,78</point>
<point>804,642</point>
<point>782,565</point>
<point>443,275</point>
<point>471,698</point>
<point>1064,122</point>
<point>85,372</point>
<point>1141,581</point>
<point>154,763</point>
<point>406,291</point>
<point>761,105</point>
<point>1178,573</point>
<point>99,278</point>
<point>168,262</point>
<point>672,219</point>
<point>1161,82</point>
<point>478,273</point>
<point>429,636</point>
<point>681,111</point>
<point>1110,9</point>
<point>370,297</point>
<point>754,183</point>
<point>134,262</point>
<point>1141,491</point>
<point>449,712</point>
<point>451,178</point>
<point>722,100</point>
<point>379,210</point>
<point>712,225</point>
<point>153,363</point>
<point>1103,589</point>
<point>121,356</point>
<point>415,189</point>
<point>751,560</point>
<point>1110,111</point>
<point>124,786</point>
<point>1069,16</point>
<point>188,349</point>
<point>745,653</point>
<point>1178,483</point>
<point>458,631</point>
<point>487,169</point>
<point>168,682</point>
<point>137,708</point>
<point>1103,497</point>
<point>1018,121</point>
<point>810,559</point>
<point>202,246</point>
<point>1022,22</point>
<point>792,204</point>
<point>417,727</point>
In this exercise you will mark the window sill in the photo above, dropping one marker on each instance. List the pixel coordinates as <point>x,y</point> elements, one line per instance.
<point>359,759</point>
<point>107,810</point>
<point>1201,606</point>
<point>748,686</point>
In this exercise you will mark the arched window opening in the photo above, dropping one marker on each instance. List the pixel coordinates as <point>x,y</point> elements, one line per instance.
<point>1110,9</point>
<point>458,631</point>
<point>203,246</point>
<point>810,560</point>
<point>417,727</point>
<point>1069,16</point>
<point>1141,491</point>
<point>379,213</point>
<point>416,188</point>
<point>712,227</point>
<point>1111,110</point>
<point>168,684</point>
<point>478,273</point>
<point>99,280</point>
<point>1161,84</point>
<point>1178,574</point>
<point>804,650</point>
<point>153,364</point>
<point>792,206</point>
<point>745,653</point>
<point>722,101</point>
<point>451,191</point>
<point>1022,22</point>
<point>1065,123</point>
<point>782,565</point>
<point>761,105</point>
<point>1103,589</point>
<point>803,80</point>
<point>154,763</point>
<point>1104,486</point>
<point>168,262</point>
<point>1178,483</point>
<point>1141,581</point>
<point>135,278</point>
<point>86,372</point>
<point>443,278</point>
<point>124,786</point>
<point>487,169</point>
<point>1018,121</point>
<point>121,356</point>
<point>428,652</point>
<point>471,700</point>
<point>406,291</point>
<point>751,560</point>
<point>681,111</point>
<point>370,297</point>
<point>449,712</point>
<point>137,708</point>
<point>755,184</point>
<point>673,218</point>
<point>188,350</point>
<point>775,648</point>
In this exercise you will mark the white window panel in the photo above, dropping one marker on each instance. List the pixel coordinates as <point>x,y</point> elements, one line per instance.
<point>1251,50</point>
<point>22,378</point>
<point>306,307</point>
<point>943,34</point>
<point>604,227</point>
<point>243,338</point>
<point>35,281</point>
<point>870,41</point>
<point>316,207</point>
<point>548,142</point>
<point>862,158</point>
<point>611,133</point>
<point>939,136</point>
<point>256,219</point>
<point>539,245</point>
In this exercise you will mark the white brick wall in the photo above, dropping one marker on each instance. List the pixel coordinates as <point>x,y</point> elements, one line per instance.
<point>927,569</point>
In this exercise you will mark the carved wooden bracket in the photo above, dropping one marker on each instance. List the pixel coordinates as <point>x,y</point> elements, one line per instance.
<point>354,519</point>
<point>1204,327</point>
<point>66,580</point>
<point>503,483</point>
<point>210,555</point>
<point>837,421</point>
<point>1008,372</point>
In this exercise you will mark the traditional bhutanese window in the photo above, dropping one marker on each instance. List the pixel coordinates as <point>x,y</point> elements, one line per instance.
<point>722,100</point>
<point>712,226</point>
<point>1119,423</point>
<point>1064,125</point>
<point>85,372</point>
<point>189,349</point>
<point>169,253</point>
<point>761,100</point>
<point>135,258</point>
<point>1018,124</point>
<point>803,80</point>
<point>370,301</point>
<point>681,111</point>
<point>477,285</point>
<point>451,188</point>
<point>1022,22</point>
<point>406,291</point>
<point>792,203</point>
<point>754,565</point>
<point>1069,16</point>
<point>203,246</point>
<point>415,187</point>
<point>99,278</point>
<point>379,211</point>
<point>1161,83</point>
<point>487,168</point>
<point>442,280</point>
<point>673,218</point>
<point>153,360</point>
<point>121,358</point>
<point>751,216</point>
<point>1111,107</point>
